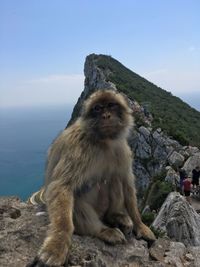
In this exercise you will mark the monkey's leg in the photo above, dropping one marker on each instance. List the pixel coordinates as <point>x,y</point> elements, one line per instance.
<point>117,215</point>
<point>87,222</point>
<point>56,245</point>
<point>131,205</point>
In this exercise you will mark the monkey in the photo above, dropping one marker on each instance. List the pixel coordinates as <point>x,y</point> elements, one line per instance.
<point>89,185</point>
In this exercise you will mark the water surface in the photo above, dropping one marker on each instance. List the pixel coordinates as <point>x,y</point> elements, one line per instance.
<point>25,135</point>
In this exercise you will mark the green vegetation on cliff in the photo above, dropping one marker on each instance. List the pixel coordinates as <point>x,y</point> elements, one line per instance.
<point>170,113</point>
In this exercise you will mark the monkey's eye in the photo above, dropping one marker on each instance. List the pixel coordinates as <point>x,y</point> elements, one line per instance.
<point>112,105</point>
<point>98,108</point>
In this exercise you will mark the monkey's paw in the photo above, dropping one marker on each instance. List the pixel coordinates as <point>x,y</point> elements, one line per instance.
<point>122,221</point>
<point>39,263</point>
<point>52,254</point>
<point>145,232</point>
<point>112,236</point>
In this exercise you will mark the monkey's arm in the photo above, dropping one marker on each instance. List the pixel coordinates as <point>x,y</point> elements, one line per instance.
<point>132,208</point>
<point>55,247</point>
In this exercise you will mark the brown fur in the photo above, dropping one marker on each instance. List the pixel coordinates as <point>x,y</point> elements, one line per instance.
<point>92,153</point>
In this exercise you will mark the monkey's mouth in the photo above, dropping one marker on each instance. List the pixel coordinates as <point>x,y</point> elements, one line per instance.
<point>106,126</point>
<point>111,126</point>
<point>110,130</point>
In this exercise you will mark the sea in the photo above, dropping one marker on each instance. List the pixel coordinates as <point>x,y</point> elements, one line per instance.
<point>25,135</point>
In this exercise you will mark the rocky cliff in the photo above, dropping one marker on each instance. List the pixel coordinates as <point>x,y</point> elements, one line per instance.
<point>22,230</point>
<point>156,153</point>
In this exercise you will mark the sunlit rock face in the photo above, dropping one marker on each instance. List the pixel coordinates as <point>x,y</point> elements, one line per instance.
<point>179,220</point>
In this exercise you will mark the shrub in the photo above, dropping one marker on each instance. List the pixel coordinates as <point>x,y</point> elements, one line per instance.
<point>159,192</point>
<point>148,218</point>
<point>157,232</point>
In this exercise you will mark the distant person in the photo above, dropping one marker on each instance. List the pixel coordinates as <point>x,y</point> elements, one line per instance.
<point>187,185</point>
<point>195,177</point>
<point>182,175</point>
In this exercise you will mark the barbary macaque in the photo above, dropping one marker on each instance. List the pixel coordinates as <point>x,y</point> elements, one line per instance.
<point>89,187</point>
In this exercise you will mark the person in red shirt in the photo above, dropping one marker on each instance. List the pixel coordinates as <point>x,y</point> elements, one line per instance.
<point>187,184</point>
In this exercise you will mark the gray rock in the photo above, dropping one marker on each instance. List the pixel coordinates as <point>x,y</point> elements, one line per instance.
<point>143,176</point>
<point>179,220</point>
<point>21,237</point>
<point>97,77</point>
<point>191,150</point>
<point>172,253</point>
<point>195,252</point>
<point>175,255</point>
<point>146,209</point>
<point>192,162</point>
<point>145,132</point>
<point>143,149</point>
<point>172,177</point>
<point>176,159</point>
<point>158,249</point>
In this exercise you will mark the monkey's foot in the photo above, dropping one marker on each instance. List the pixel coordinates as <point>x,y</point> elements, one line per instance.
<point>112,236</point>
<point>122,221</point>
<point>53,253</point>
<point>39,263</point>
<point>145,232</point>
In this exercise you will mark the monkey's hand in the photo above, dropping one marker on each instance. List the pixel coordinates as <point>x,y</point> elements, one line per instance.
<point>53,252</point>
<point>122,221</point>
<point>143,231</point>
<point>112,236</point>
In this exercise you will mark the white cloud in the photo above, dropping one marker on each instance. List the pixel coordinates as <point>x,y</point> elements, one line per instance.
<point>65,89</point>
<point>49,90</point>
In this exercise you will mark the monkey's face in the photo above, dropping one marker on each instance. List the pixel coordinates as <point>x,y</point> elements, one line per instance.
<point>107,114</point>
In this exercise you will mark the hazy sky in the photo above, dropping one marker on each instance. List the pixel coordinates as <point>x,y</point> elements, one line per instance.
<point>43,45</point>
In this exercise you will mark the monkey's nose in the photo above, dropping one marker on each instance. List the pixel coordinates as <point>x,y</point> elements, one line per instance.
<point>106,115</point>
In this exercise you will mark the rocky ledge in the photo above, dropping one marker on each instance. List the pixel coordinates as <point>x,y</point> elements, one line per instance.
<point>23,226</point>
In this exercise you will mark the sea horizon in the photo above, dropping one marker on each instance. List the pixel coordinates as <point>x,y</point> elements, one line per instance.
<point>25,135</point>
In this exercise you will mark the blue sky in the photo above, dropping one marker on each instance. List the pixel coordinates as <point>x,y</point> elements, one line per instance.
<point>43,45</point>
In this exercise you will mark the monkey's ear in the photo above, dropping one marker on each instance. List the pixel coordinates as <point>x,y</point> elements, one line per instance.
<point>126,103</point>
<point>85,108</point>
<point>83,112</point>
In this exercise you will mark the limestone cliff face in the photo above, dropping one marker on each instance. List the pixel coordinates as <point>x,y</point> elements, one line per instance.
<point>179,220</point>
<point>155,152</point>
<point>95,79</point>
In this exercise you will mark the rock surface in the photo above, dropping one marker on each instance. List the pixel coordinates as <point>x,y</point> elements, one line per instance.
<point>21,236</point>
<point>179,220</point>
<point>192,161</point>
<point>172,177</point>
